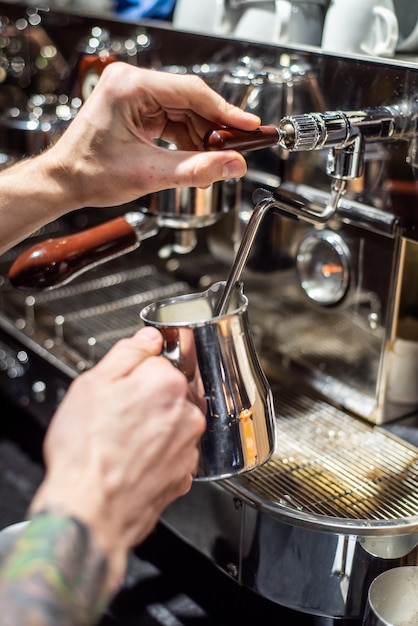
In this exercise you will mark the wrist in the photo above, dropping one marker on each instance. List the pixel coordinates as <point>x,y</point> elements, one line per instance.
<point>35,185</point>
<point>57,183</point>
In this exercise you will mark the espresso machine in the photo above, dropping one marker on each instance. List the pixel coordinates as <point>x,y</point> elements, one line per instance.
<point>331,276</point>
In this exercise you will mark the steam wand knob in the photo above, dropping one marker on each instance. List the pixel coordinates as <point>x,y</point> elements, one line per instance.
<point>313,131</point>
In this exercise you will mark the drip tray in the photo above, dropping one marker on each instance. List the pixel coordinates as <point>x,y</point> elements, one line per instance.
<point>82,321</point>
<point>328,464</point>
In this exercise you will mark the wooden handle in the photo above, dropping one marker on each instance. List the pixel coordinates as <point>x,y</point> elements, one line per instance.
<point>235,139</point>
<point>56,261</point>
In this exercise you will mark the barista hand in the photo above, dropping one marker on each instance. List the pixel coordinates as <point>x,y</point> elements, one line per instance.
<point>122,446</point>
<point>116,128</point>
<point>108,157</point>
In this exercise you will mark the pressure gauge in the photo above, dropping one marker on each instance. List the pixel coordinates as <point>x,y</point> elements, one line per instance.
<point>323,267</point>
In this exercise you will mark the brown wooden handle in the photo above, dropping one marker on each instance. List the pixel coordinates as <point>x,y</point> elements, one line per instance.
<point>56,261</point>
<point>235,139</point>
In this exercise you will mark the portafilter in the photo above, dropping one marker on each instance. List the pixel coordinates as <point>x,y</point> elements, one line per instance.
<point>54,262</point>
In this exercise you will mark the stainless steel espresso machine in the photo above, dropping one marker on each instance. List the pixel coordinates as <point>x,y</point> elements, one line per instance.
<point>333,306</point>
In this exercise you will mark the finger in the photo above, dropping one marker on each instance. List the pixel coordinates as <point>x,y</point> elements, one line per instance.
<point>200,169</point>
<point>189,133</point>
<point>186,473</point>
<point>129,353</point>
<point>185,129</point>
<point>171,94</point>
<point>191,93</point>
<point>187,124</point>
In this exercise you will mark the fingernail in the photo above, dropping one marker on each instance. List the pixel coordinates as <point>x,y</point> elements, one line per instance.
<point>148,333</point>
<point>233,169</point>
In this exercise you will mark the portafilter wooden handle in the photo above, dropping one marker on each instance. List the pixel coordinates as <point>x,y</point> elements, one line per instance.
<point>241,140</point>
<point>56,261</point>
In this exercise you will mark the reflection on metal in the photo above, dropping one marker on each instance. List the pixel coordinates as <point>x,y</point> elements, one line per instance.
<point>343,562</point>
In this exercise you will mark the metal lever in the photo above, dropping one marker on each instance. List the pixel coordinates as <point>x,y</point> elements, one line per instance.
<point>314,131</point>
<point>344,132</point>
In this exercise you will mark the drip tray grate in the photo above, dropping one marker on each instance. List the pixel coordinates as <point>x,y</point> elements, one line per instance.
<point>329,463</point>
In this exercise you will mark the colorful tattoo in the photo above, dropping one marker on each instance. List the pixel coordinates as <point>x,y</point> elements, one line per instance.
<point>54,575</point>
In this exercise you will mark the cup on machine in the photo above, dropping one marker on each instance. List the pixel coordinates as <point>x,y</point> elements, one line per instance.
<point>261,21</point>
<point>280,21</point>
<point>208,17</point>
<point>365,27</point>
<point>305,23</point>
<point>218,358</point>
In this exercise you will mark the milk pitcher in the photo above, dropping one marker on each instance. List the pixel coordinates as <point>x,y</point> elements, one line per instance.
<point>217,355</point>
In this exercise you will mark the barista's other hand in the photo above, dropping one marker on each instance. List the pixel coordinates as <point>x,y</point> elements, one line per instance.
<point>108,155</point>
<point>122,445</point>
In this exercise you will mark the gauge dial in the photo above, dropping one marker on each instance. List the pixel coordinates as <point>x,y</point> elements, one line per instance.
<point>323,267</point>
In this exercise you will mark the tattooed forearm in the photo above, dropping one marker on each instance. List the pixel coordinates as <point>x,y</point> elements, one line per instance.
<point>54,575</point>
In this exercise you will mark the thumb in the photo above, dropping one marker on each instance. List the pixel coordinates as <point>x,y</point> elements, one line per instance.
<point>128,353</point>
<point>201,169</point>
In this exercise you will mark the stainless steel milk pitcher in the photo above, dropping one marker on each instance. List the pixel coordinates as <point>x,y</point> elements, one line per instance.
<point>218,357</point>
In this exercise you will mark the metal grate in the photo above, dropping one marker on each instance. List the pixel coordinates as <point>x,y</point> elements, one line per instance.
<point>93,331</point>
<point>78,323</point>
<point>331,464</point>
<point>89,316</point>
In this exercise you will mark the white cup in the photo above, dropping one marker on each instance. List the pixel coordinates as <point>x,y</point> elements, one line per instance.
<point>201,16</point>
<point>365,27</point>
<point>263,21</point>
<point>305,22</point>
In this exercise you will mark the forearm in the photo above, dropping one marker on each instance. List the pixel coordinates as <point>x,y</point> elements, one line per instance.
<point>33,193</point>
<point>56,574</point>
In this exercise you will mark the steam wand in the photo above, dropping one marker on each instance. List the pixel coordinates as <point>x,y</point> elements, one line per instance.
<point>285,203</point>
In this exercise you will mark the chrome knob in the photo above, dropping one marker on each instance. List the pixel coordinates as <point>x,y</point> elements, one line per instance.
<point>312,131</point>
<point>300,132</point>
